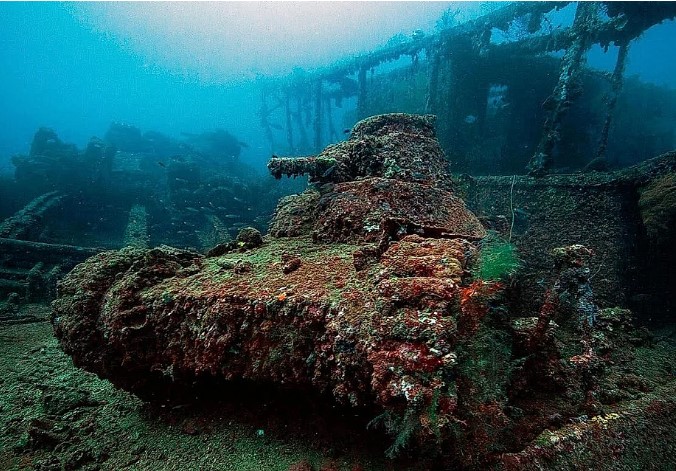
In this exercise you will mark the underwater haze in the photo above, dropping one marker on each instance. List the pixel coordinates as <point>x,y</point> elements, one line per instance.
<point>173,67</point>
<point>176,67</point>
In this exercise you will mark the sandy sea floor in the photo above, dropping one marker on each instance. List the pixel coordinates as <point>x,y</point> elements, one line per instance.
<point>56,416</point>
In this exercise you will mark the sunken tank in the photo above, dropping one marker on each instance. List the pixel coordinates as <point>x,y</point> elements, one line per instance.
<point>389,178</point>
<point>364,291</point>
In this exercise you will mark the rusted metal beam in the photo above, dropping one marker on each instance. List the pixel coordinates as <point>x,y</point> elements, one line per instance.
<point>500,18</point>
<point>361,98</point>
<point>45,252</point>
<point>616,83</point>
<point>24,221</point>
<point>289,123</point>
<point>568,87</point>
<point>318,115</point>
<point>433,84</point>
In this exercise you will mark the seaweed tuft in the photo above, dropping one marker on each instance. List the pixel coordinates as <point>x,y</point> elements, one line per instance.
<point>498,260</point>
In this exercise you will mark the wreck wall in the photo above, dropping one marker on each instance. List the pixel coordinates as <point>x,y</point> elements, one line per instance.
<point>598,210</point>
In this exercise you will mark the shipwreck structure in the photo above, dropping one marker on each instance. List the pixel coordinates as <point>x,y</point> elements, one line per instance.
<point>566,117</point>
<point>370,290</point>
<point>128,189</point>
<point>511,89</point>
<point>473,318</point>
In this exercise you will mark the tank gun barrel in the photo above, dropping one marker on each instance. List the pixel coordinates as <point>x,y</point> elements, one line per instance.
<point>313,166</point>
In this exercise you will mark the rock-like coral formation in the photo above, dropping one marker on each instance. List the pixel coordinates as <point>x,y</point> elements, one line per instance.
<point>371,302</point>
<point>295,215</point>
<point>362,210</point>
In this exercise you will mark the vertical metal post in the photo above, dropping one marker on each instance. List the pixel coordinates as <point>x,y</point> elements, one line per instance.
<point>361,98</point>
<point>433,84</point>
<point>289,124</point>
<point>332,135</point>
<point>318,115</point>
<point>303,144</point>
<point>568,87</point>
<point>616,83</point>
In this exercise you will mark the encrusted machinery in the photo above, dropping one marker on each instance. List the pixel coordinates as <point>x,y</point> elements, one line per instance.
<point>366,291</point>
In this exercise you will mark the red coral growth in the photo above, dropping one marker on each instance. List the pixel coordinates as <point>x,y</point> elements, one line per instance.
<point>413,290</point>
<point>474,306</point>
<point>291,263</point>
<point>355,211</point>
<point>303,465</point>
<point>330,466</point>
<point>416,256</point>
<point>548,310</point>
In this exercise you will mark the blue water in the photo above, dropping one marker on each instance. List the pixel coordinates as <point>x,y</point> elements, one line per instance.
<point>171,68</point>
<point>194,67</point>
